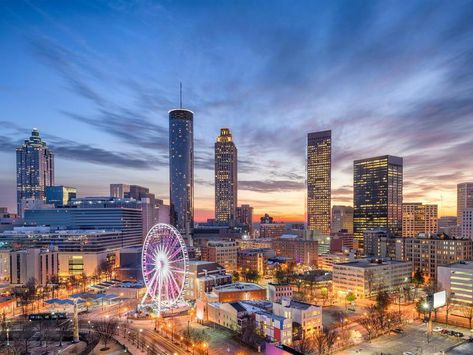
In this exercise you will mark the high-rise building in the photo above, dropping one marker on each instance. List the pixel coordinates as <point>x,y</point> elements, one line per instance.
<point>319,167</point>
<point>466,225</point>
<point>418,218</point>
<point>226,182</point>
<point>464,198</point>
<point>342,219</point>
<point>244,216</point>
<point>377,195</point>
<point>59,196</point>
<point>34,169</point>
<point>181,170</point>
<point>119,190</point>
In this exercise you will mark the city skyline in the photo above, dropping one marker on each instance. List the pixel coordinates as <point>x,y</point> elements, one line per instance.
<point>104,127</point>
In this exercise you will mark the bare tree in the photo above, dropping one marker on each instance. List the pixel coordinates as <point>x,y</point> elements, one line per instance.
<point>467,311</point>
<point>106,329</point>
<point>324,341</point>
<point>306,345</point>
<point>65,328</point>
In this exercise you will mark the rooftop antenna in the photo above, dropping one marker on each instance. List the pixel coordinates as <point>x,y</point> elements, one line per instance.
<point>180,94</point>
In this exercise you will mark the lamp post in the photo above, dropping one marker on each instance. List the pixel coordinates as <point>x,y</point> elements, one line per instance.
<point>8,336</point>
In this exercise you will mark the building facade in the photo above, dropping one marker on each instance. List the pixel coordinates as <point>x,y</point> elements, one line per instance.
<point>277,291</point>
<point>464,198</point>
<point>457,280</point>
<point>203,277</point>
<point>33,263</point>
<point>466,225</point>
<point>181,170</point>
<point>244,216</point>
<point>308,316</point>
<point>319,174</point>
<point>34,169</point>
<point>377,195</point>
<point>223,252</point>
<point>418,218</point>
<point>342,219</point>
<point>254,260</point>
<point>226,177</point>
<point>301,251</point>
<point>60,196</point>
<point>365,278</point>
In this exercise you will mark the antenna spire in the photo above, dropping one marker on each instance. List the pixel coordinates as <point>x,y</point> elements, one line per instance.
<point>180,94</point>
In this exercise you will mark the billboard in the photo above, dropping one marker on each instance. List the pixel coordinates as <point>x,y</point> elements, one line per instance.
<point>440,299</point>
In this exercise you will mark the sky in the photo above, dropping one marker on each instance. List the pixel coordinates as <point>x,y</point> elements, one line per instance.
<point>97,79</point>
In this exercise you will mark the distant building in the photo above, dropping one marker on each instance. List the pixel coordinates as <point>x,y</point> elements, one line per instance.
<point>377,184</point>
<point>464,198</point>
<point>365,278</point>
<point>254,260</point>
<point>226,177</point>
<point>418,218</point>
<point>4,264</point>
<point>277,291</point>
<point>223,252</point>
<point>8,220</point>
<point>119,190</point>
<point>448,225</point>
<point>326,261</point>
<point>34,169</point>
<point>340,242</point>
<point>203,277</point>
<point>457,280</point>
<point>244,216</point>
<point>301,251</point>
<point>257,243</point>
<point>181,170</point>
<point>307,316</point>
<point>33,263</point>
<point>60,196</point>
<point>270,229</point>
<point>130,264</point>
<point>466,224</point>
<point>319,173</point>
<point>342,219</point>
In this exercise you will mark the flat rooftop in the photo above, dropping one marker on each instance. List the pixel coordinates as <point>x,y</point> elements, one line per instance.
<point>467,265</point>
<point>368,263</point>
<point>238,286</point>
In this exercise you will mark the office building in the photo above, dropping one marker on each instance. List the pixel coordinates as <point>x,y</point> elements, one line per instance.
<point>181,170</point>
<point>244,217</point>
<point>226,177</point>
<point>277,291</point>
<point>34,169</point>
<point>466,224</point>
<point>342,219</point>
<point>307,316</point>
<point>319,171</point>
<point>270,229</point>
<point>457,280</point>
<point>8,220</point>
<point>222,252</point>
<point>464,198</point>
<point>326,261</point>
<point>418,218</point>
<point>203,277</point>
<point>60,196</point>
<point>366,277</point>
<point>128,221</point>
<point>380,243</point>
<point>254,260</point>
<point>377,195</point>
<point>300,251</point>
<point>119,190</point>
<point>340,242</point>
<point>33,263</point>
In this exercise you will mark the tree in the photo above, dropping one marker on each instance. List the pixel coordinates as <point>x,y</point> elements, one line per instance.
<point>448,305</point>
<point>236,276</point>
<point>324,295</point>
<point>324,341</point>
<point>65,328</point>
<point>418,278</point>
<point>252,276</point>
<point>383,300</point>
<point>106,329</point>
<point>306,345</point>
<point>467,311</point>
<point>421,308</point>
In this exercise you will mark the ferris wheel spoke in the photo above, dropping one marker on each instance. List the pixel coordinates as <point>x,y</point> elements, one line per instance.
<point>175,252</point>
<point>176,261</point>
<point>179,271</point>
<point>171,276</point>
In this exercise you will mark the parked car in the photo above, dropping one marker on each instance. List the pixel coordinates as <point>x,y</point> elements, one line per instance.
<point>438,329</point>
<point>458,334</point>
<point>444,331</point>
<point>451,332</point>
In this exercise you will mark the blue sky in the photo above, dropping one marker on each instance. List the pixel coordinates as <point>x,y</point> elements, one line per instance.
<point>97,80</point>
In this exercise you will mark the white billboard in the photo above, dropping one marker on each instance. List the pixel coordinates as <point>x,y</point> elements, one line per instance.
<point>440,298</point>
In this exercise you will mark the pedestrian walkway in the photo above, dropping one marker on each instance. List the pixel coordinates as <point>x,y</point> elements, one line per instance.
<point>132,349</point>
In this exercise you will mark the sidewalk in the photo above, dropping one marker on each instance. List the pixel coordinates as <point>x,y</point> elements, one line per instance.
<point>132,349</point>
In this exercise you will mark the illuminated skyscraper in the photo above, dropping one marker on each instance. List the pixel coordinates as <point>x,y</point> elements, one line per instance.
<point>34,169</point>
<point>181,170</point>
<point>226,182</point>
<point>319,171</point>
<point>377,195</point>
<point>464,199</point>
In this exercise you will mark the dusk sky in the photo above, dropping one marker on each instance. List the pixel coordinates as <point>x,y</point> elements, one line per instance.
<point>98,78</point>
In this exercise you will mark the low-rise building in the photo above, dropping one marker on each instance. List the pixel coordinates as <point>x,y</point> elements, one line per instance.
<point>254,260</point>
<point>223,252</point>
<point>308,316</point>
<point>366,277</point>
<point>277,291</point>
<point>341,241</point>
<point>255,243</point>
<point>203,277</point>
<point>301,251</point>
<point>457,280</point>
<point>33,263</point>
<point>234,292</point>
<point>326,261</point>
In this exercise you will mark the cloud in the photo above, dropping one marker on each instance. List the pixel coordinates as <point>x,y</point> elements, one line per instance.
<point>270,185</point>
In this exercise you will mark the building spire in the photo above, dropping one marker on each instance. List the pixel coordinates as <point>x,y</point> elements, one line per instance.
<point>180,95</point>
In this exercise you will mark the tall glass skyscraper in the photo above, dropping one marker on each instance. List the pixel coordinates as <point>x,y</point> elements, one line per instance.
<point>181,170</point>
<point>319,181</point>
<point>377,195</point>
<point>34,169</point>
<point>226,183</point>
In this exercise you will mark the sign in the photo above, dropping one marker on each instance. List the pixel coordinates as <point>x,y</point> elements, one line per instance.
<point>440,299</point>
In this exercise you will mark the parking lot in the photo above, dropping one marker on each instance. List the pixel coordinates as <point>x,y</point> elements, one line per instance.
<point>413,339</point>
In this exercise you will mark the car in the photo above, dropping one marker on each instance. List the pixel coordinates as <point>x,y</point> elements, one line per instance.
<point>437,329</point>
<point>398,331</point>
<point>451,332</point>
<point>458,334</point>
<point>444,331</point>
<point>407,353</point>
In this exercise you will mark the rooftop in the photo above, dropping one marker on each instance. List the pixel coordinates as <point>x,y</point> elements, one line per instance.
<point>467,264</point>
<point>367,263</point>
<point>238,286</point>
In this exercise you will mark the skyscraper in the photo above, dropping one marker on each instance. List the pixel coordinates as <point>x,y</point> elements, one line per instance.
<point>34,169</point>
<point>319,171</point>
<point>377,195</point>
<point>244,216</point>
<point>226,172</point>
<point>181,170</point>
<point>464,199</point>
